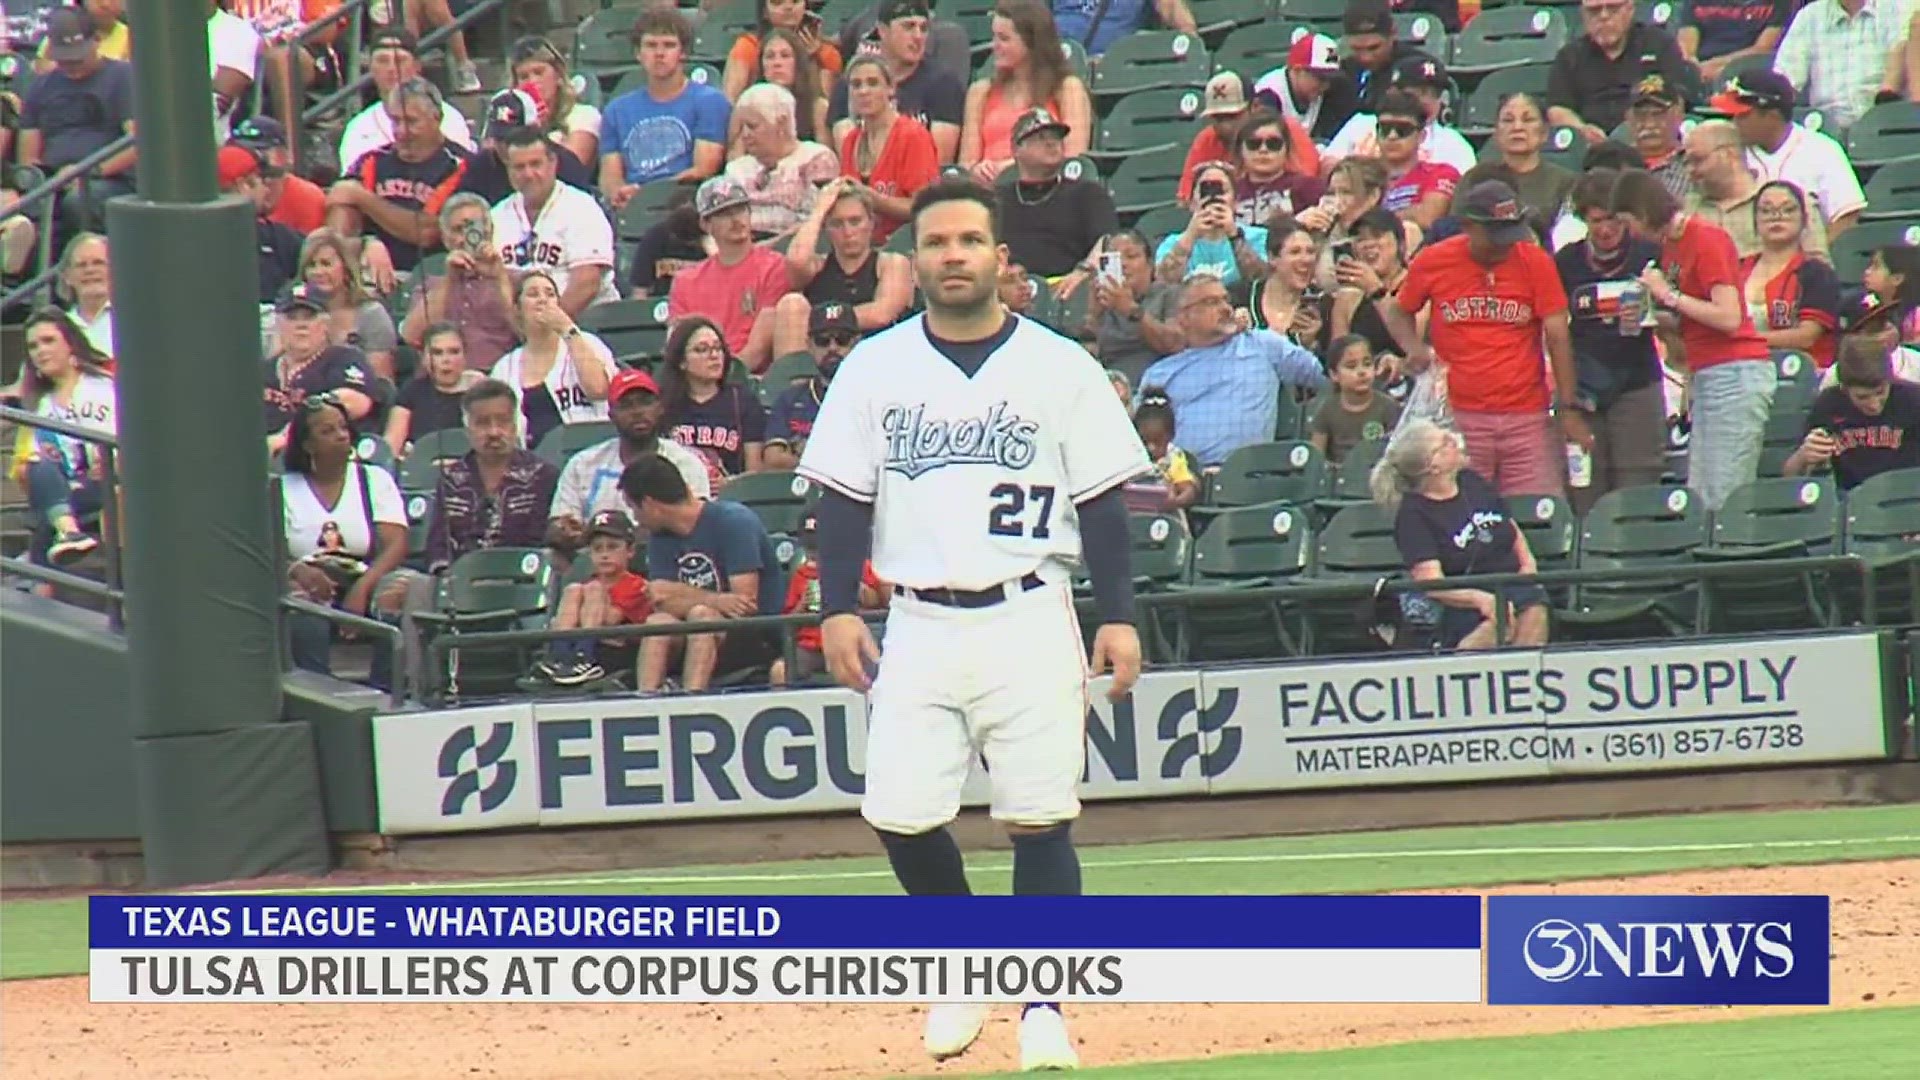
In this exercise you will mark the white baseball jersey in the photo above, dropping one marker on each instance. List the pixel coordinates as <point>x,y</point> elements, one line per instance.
<point>569,231</point>
<point>973,480</point>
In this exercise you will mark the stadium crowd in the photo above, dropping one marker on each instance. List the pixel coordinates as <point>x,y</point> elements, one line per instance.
<point>593,309</point>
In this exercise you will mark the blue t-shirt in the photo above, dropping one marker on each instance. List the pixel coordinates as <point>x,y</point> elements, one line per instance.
<point>1074,17</point>
<point>728,539</point>
<point>78,116</point>
<point>1211,256</point>
<point>655,138</point>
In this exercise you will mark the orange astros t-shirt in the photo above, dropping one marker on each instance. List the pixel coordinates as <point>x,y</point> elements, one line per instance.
<point>1485,323</point>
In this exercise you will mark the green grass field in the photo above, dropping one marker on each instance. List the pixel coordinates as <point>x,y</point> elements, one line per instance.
<point>48,937</point>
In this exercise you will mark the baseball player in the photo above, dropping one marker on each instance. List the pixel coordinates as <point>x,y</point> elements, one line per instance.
<point>980,455</point>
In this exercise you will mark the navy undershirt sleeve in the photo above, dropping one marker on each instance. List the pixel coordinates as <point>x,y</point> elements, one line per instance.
<point>846,537</point>
<point>1108,549</point>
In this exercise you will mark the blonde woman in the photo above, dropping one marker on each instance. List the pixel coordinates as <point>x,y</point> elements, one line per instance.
<point>1449,523</point>
<point>570,122</point>
<point>353,317</point>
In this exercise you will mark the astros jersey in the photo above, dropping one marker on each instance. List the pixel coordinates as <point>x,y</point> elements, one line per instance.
<point>973,480</point>
<point>569,231</point>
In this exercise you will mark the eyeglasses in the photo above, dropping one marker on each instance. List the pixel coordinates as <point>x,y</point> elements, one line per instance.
<point>840,338</point>
<point>1777,213</point>
<point>1275,143</point>
<point>1210,300</point>
<point>706,349</point>
<point>1397,130</point>
<point>326,399</point>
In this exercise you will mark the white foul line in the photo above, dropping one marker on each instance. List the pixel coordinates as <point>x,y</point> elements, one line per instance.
<point>1089,864</point>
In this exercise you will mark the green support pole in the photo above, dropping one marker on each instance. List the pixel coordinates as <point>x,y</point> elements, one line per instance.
<point>226,789</point>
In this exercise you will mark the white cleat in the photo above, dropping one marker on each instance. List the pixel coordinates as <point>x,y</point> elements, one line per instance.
<point>1044,1042</point>
<point>952,1027</point>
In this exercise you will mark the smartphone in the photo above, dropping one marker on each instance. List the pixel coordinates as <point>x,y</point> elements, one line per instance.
<point>1110,266</point>
<point>1213,191</point>
<point>1342,249</point>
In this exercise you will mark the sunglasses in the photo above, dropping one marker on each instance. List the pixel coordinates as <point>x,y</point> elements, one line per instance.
<point>842,339</point>
<point>1397,130</point>
<point>532,48</point>
<point>1268,143</point>
<point>313,403</point>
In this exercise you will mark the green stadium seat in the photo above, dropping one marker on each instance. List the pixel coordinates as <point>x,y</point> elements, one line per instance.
<point>604,40</point>
<point>1162,555</point>
<point>1351,476</point>
<point>1882,526</point>
<point>1771,518</point>
<point>1162,222</point>
<point>569,439</point>
<point>1797,381</point>
<point>1893,193</point>
<point>724,24</point>
<point>1356,545</point>
<point>977,17</point>
<point>1636,528</point>
<point>1248,547</point>
<point>1216,18</point>
<point>1252,51</point>
<point>1292,471</point>
<point>1508,37</point>
<point>1551,529</point>
<point>1425,32</point>
<point>490,589</point>
<point>780,498</point>
<point>1324,16</point>
<point>1854,248</point>
<point>1784,430</point>
<point>1884,134</point>
<point>419,508</point>
<point>1147,59</point>
<point>788,551</point>
<point>900,240</point>
<point>789,369</point>
<point>630,327</point>
<point>1147,181</point>
<point>1148,120</point>
<point>421,469</point>
<point>1660,13</point>
<point>1483,104</point>
<point>374,450</point>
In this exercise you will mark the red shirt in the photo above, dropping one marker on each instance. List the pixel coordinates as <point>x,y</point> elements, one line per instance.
<point>730,295</point>
<point>1425,178</point>
<point>302,206</point>
<point>1485,323</point>
<point>1699,260</point>
<point>907,163</point>
<point>803,595</point>
<point>1804,290</point>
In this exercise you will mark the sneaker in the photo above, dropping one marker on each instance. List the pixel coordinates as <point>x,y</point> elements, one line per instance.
<point>466,77</point>
<point>952,1027</point>
<point>70,547</point>
<point>576,673</point>
<point>1044,1042</point>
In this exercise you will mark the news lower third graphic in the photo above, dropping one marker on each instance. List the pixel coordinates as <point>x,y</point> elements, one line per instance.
<point>785,948</point>
<point>1658,950</point>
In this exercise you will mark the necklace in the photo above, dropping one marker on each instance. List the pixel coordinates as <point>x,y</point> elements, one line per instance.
<point>1020,193</point>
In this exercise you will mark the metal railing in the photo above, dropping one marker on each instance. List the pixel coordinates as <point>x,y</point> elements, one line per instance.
<point>395,640</point>
<point>109,590</point>
<point>47,191</point>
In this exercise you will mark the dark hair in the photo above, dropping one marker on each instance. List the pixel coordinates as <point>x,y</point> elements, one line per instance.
<point>439,329</point>
<point>297,458</point>
<point>958,189</point>
<point>484,391</point>
<point>1788,186</point>
<point>1645,196</point>
<point>1362,16</point>
<point>1280,228</point>
<point>672,373</point>
<point>1612,154</point>
<point>1401,103</point>
<point>1863,362</point>
<point>1341,344</point>
<point>1134,235</point>
<point>651,476</point>
<point>806,80</point>
<point>662,20</point>
<point>1593,190</point>
<point>1904,260</point>
<point>519,138</point>
<point>85,356</point>
<point>1046,59</point>
<point>1387,223</point>
<point>1258,117</point>
<point>1153,404</point>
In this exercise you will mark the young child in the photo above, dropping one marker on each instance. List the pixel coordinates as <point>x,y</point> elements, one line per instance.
<point>803,596</point>
<point>1356,413</point>
<point>1176,484</point>
<point>612,596</point>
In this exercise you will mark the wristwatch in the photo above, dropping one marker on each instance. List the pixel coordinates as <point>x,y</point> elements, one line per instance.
<point>572,332</point>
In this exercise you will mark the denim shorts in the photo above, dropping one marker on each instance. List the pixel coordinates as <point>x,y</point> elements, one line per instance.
<point>1456,623</point>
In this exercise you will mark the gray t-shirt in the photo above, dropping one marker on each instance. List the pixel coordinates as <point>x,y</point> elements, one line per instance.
<point>1122,346</point>
<point>1345,429</point>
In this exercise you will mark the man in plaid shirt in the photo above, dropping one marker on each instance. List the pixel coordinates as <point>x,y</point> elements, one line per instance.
<point>1840,54</point>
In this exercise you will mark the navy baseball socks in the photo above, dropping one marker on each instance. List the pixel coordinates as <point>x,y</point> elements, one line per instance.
<point>926,864</point>
<point>1045,864</point>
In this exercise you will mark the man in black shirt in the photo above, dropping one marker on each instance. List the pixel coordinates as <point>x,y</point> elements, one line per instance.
<point>1867,425</point>
<point>1621,388</point>
<point>1595,73</point>
<point>1372,51</point>
<point>239,169</point>
<point>1053,225</point>
<point>925,91</point>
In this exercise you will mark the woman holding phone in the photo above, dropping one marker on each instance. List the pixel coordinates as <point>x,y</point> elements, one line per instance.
<point>743,62</point>
<point>1213,241</point>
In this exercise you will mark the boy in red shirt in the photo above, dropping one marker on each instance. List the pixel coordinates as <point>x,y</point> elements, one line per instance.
<point>612,596</point>
<point>1704,321</point>
<point>803,595</point>
<point>1495,295</point>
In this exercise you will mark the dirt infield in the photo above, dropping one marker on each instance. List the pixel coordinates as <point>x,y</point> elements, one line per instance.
<point>51,1031</point>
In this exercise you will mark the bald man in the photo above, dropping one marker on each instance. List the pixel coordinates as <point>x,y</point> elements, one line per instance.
<point>1724,188</point>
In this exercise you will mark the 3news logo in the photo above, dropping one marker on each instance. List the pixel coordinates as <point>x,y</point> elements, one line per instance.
<point>1657,950</point>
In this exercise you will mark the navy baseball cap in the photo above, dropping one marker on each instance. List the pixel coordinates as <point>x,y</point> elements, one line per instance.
<point>1420,70</point>
<point>69,35</point>
<point>830,317</point>
<point>299,296</point>
<point>614,523</point>
<point>260,133</point>
<point>1754,88</point>
<point>1494,205</point>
